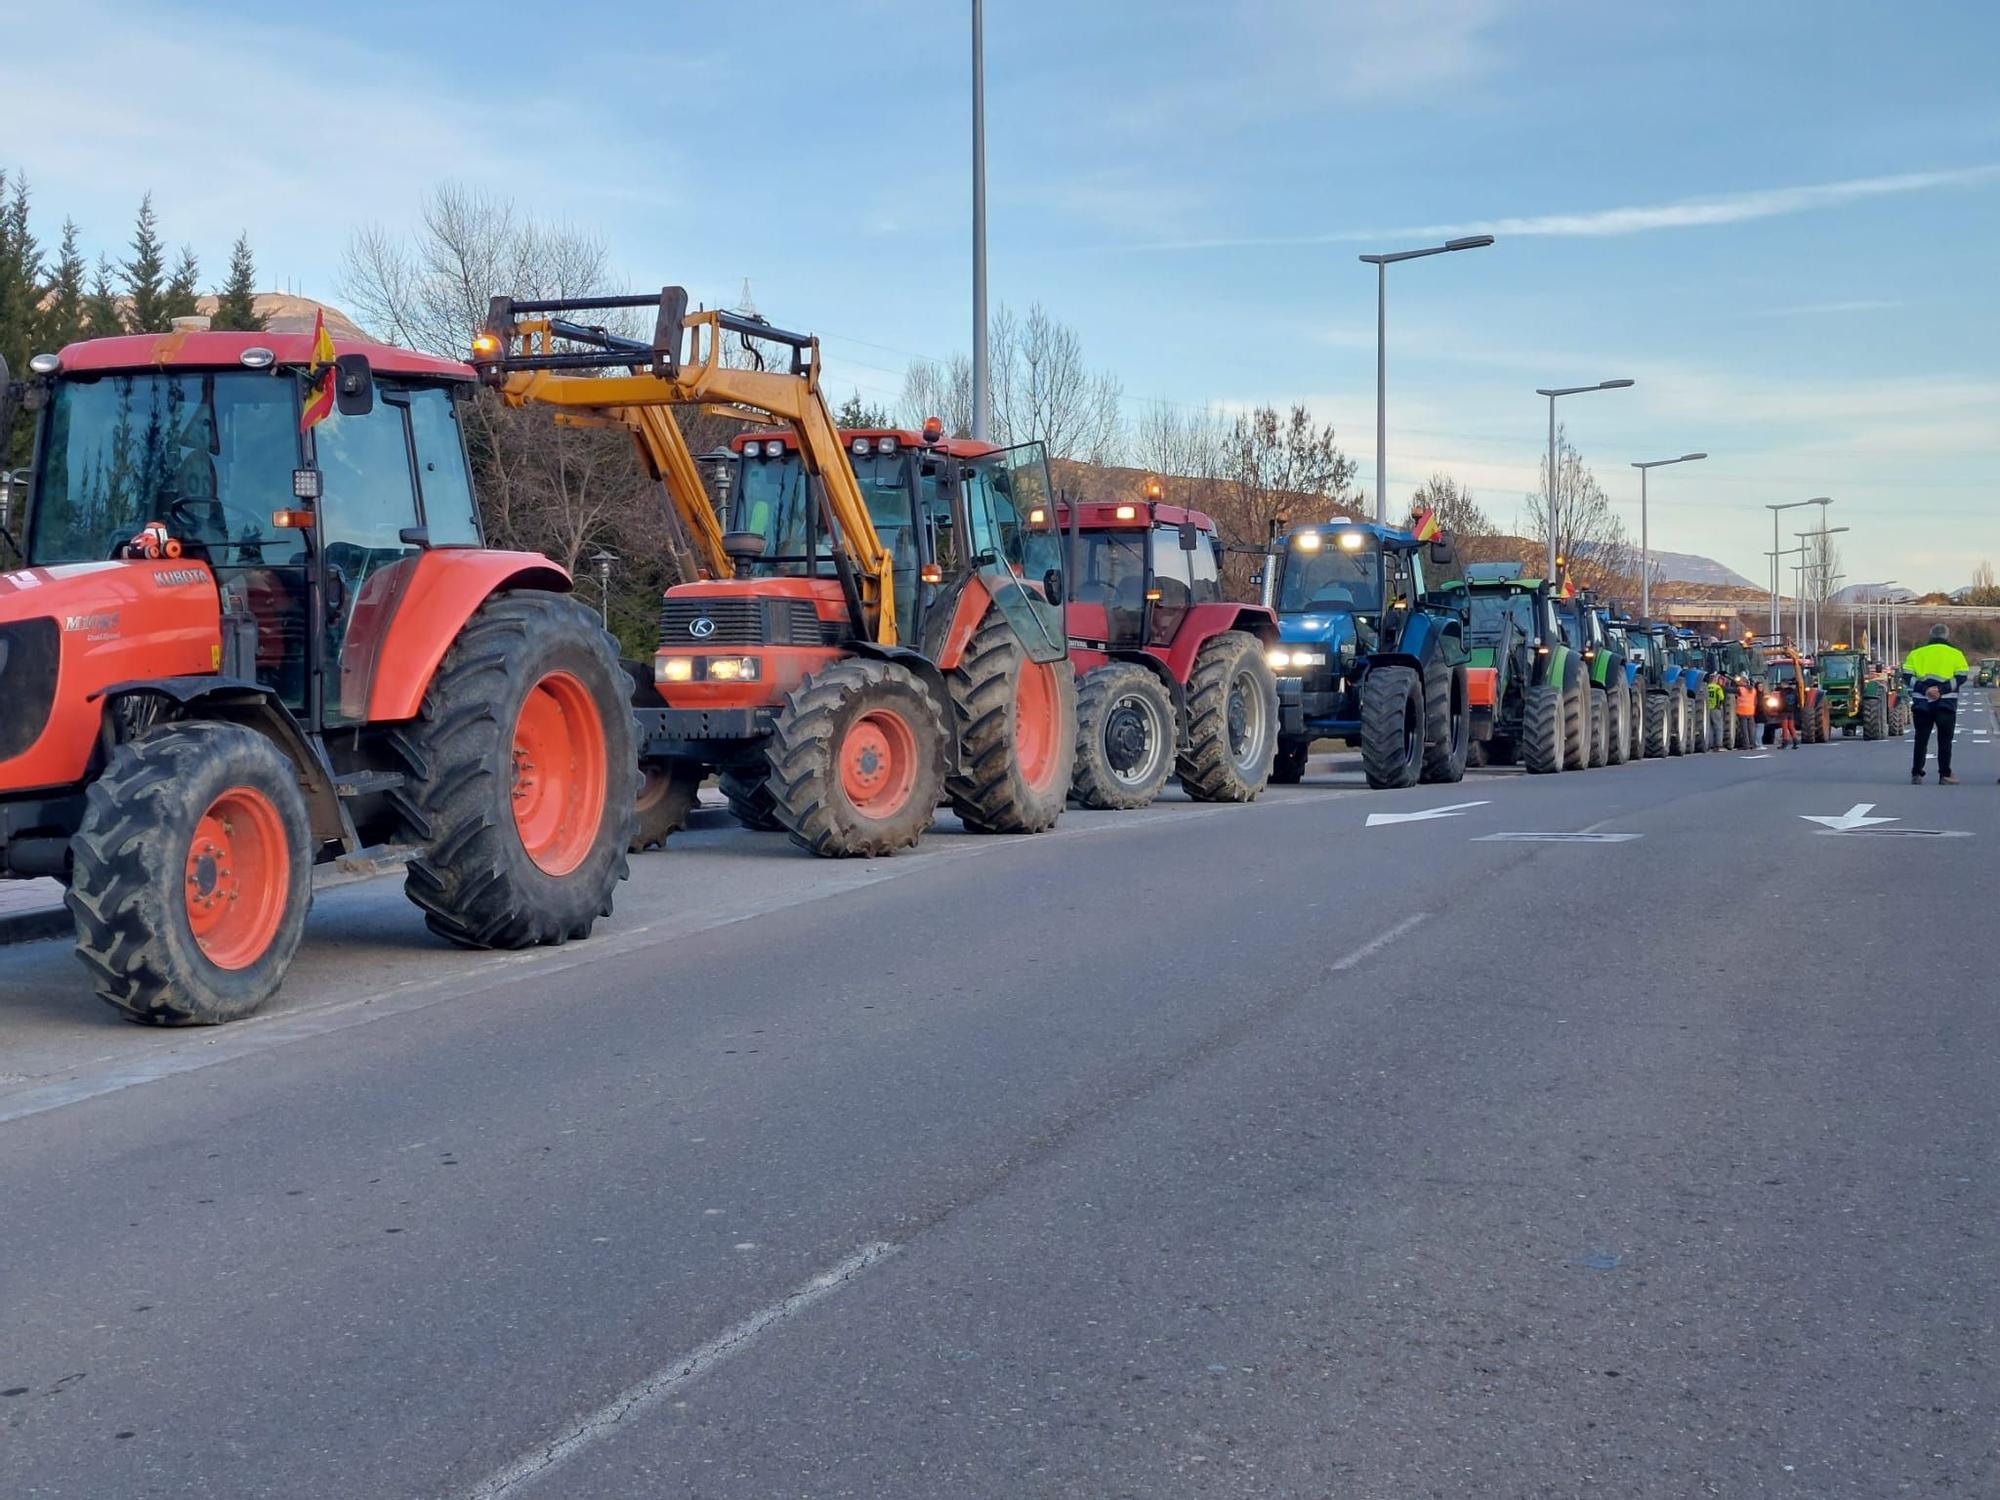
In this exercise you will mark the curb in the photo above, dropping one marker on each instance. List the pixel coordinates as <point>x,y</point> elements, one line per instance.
<point>34,926</point>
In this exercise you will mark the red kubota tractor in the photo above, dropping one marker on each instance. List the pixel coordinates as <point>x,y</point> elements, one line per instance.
<point>1171,676</point>
<point>240,647</point>
<point>875,631</point>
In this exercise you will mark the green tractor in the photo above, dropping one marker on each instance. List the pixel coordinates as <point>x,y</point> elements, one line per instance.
<point>1857,702</point>
<point>1531,696</point>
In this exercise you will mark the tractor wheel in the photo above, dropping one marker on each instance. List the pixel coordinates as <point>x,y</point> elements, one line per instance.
<point>748,790</point>
<point>857,759</point>
<point>1447,724</point>
<point>1232,729</point>
<point>1576,718</point>
<point>1124,737</point>
<point>191,874</point>
<point>519,763</point>
<point>1822,722</point>
<point>1697,721</point>
<point>1635,721</point>
<point>1542,730</point>
<point>1016,725</point>
<point>667,790</point>
<point>1658,731</point>
<point>1288,766</point>
<point>1618,734</point>
<point>1392,727</point>
<point>1874,719</point>
<point>1600,729</point>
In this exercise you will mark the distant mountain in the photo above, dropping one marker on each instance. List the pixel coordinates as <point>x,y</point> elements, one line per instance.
<point>1861,593</point>
<point>1689,567</point>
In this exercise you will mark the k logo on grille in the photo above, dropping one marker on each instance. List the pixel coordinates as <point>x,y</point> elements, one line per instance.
<point>701,627</point>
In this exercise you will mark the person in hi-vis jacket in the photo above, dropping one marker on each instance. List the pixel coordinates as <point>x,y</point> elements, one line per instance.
<point>1935,672</point>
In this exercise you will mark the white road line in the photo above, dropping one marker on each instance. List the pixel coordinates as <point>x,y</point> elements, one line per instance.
<point>636,1400</point>
<point>1380,941</point>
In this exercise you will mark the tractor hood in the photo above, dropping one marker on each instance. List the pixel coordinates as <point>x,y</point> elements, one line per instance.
<point>1330,630</point>
<point>69,632</point>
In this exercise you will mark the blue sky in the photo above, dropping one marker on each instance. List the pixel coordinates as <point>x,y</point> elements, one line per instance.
<point>1781,218</point>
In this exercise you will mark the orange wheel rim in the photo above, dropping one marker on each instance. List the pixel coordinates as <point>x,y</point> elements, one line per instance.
<point>239,875</point>
<point>559,773</point>
<point>878,763</point>
<point>1036,731</point>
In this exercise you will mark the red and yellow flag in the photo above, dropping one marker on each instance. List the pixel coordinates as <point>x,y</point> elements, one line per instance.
<point>1425,524</point>
<point>319,388</point>
<point>1569,587</point>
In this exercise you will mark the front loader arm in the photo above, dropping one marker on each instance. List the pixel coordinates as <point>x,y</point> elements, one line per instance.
<point>521,358</point>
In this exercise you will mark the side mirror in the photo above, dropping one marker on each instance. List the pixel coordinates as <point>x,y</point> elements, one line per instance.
<point>353,385</point>
<point>1052,585</point>
<point>1443,553</point>
<point>1190,536</point>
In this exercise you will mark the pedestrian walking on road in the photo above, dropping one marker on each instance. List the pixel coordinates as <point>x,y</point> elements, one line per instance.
<point>1935,671</point>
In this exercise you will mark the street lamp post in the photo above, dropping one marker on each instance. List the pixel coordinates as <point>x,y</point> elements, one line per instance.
<point>1645,550</point>
<point>982,399</point>
<point>1777,626</point>
<point>1806,567</point>
<point>1552,393</point>
<point>1381,263</point>
<point>1777,581</point>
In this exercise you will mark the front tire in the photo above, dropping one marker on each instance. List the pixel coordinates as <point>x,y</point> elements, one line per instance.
<point>1576,718</point>
<point>518,763</point>
<point>1232,708</point>
<point>191,874</point>
<point>1874,719</point>
<point>747,789</point>
<point>1620,734</point>
<point>857,760</point>
<point>1016,725</point>
<point>1392,728</point>
<point>1447,724</point>
<point>1600,730</point>
<point>1658,731</point>
<point>667,792</point>
<point>1124,737</point>
<point>1542,730</point>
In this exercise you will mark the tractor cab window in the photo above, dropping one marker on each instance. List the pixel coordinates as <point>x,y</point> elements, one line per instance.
<point>1173,582</point>
<point>450,515</point>
<point>1836,669</point>
<point>1322,575</point>
<point>1206,565</point>
<point>1011,520</point>
<point>210,455</point>
<point>1111,574</point>
<point>771,496</point>
<point>1491,613</point>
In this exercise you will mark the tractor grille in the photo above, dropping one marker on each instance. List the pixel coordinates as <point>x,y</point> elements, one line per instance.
<point>745,622</point>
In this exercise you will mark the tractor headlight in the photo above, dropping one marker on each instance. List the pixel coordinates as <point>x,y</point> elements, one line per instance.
<point>732,669</point>
<point>1770,700</point>
<point>673,669</point>
<point>1308,658</point>
<point>1278,660</point>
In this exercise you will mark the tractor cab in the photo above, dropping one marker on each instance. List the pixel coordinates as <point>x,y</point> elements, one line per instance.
<point>1137,567</point>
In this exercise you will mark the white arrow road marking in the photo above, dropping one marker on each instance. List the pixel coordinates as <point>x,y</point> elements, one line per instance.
<point>1378,820</point>
<point>1855,817</point>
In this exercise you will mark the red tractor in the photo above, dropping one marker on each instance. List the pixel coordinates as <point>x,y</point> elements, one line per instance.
<point>1171,676</point>
<point>242,645</point>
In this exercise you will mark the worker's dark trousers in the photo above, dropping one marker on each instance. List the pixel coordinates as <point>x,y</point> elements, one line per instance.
<point>1928,714</point>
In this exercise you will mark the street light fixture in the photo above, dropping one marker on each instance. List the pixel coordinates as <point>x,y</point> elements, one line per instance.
<point>1566,390</point>
<point>1645,552</point>
<point>1381,263</point>
<point>1777,627</point>
<point>982,399</point>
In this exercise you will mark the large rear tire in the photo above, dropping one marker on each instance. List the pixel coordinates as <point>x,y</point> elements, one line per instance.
<point>1392,727</point>
<point>1823,721</point>
<point>1659,734</point>
<point>857,759</point>
<point>1447,724</point>
<point>1542,730</point>
<point>1635,720</point>
<point>667,792</point>
<point>1576,718</point>
<point>748,792</point>
<point>1124,737</point>
<point>1016,724</point>
<point>1232,708</point>
<point>191,873</point>
<point>519,763</point>
<point>1874,719</point>
<point>1619,735</point>
<point>1600,729</point>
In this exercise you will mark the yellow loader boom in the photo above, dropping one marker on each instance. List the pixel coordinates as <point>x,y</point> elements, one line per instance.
<point>536,352</point>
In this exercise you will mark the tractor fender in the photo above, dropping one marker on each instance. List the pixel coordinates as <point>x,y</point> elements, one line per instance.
<point>967,610</point>
<point>1394,659</point>
<point>928,673</point>
<point>236,700</point>
<point>409,614</point>
<point>1201,623</point>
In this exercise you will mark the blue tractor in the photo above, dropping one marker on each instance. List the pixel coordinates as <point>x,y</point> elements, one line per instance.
<point>1371,651</point>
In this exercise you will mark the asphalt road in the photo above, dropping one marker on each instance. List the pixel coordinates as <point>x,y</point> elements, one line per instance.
<point>1207,1152</point>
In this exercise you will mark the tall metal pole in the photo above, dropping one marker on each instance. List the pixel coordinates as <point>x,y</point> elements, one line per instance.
<point>1552,492</point>
<point>982,396</point>
<point>1776,629</point>
<point>1381,393</point>
<point>1645,556</point>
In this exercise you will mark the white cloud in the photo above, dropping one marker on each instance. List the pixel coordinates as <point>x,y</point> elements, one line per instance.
<point>1726,208</point>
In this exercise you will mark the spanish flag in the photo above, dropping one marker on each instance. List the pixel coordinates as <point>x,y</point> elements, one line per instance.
<point>1425,524</point>
<point>1569,587</point>
<point>319,388</point>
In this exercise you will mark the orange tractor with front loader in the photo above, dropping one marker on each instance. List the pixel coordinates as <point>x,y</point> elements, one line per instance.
<point>876,630</point>
<point>242,645</point>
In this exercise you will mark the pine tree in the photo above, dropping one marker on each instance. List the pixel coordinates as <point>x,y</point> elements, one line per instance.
<point>145,273</point>
<point>177,300</point>
<point>101,316</point>
<point>63,309</point>
<point>236,302</point>
<point>20,276</point>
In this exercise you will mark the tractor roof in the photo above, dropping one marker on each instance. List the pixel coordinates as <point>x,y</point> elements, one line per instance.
<point>209,350</point>
<point>902,437</point>
<point>1131,515</point>
<point>1388,536</point>
<point>1504,585</point>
